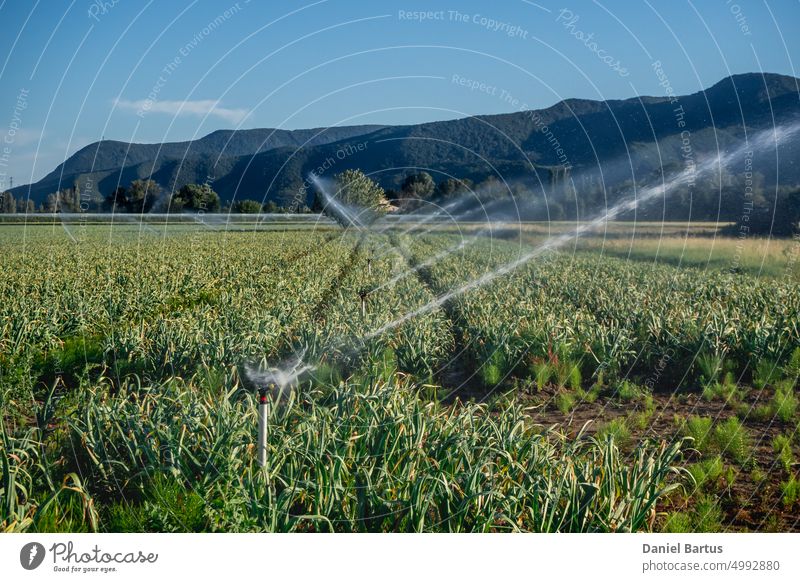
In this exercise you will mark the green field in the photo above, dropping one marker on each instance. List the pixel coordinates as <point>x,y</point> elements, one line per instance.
<point>641,378</point>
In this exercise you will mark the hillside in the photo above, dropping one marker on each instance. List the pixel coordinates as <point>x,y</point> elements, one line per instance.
<point>607,144</point>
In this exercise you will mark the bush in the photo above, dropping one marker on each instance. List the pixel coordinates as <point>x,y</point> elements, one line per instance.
<point>767,372</point>
<point>707,515</point>
<point>784,401</point>
<point>732,439</point>
<point>707,471</point>
<point>617,431</point>
<point>247,207</point>
<point>782,445</point>
<point>565,401</point>
<point>699,429</point>
<point>542,372</point>
<point>791,491</point>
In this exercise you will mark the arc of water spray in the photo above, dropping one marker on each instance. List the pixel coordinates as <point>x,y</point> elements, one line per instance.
<point>454,217</point>
<point>765,138</point>
<point>340,208</point>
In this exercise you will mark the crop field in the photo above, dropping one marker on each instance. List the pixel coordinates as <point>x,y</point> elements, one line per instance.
<point>627,382</point>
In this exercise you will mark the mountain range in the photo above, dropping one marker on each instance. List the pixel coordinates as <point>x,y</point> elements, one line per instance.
<point>616,142</point>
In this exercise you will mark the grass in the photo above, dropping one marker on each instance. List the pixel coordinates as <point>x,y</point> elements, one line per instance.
<point>729,438</point>
<point>727,390</point>
<point>121,363</point>
<point>699,430</point>
<point>790,491</point>
<point>616,431</point>
<point>565,401</point>
<point>782,445</point>
<point>705,517</point>
<point>766,373</point>
<point>784,401</point>
<point>707,471</point>
<point>733,440</point>
<point>378,434</point>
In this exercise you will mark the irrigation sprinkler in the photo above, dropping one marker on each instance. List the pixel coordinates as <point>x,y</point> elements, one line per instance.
<point>363,294</point>
<point>263,415</point>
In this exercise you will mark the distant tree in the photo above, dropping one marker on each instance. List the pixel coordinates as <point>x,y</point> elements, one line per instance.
<point>785,221</point>
<point>491,189</point>
<point>452,187</point>
<point>51,204</point>
<point>117,201</point>
<point>142,194</point>
<point>270,207</point>
<point>8,204</point>
<point>419,185</point>
<point>197,197</point>
<point>246,207</point>
<point>357,191</point>
<point>415,189</point>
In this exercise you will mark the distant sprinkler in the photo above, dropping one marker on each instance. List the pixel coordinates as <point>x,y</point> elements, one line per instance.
<point>363,294</point>
<point>263,414</point>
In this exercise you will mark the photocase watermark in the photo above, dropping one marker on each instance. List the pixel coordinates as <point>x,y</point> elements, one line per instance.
<point>569,21</point>
<point>477,19</point>
<point>14,126</point>
<point>738,15</point>
<point>31,555</point>
<point>66,558</point>
<point>169,69</point>
<point>100,8</point>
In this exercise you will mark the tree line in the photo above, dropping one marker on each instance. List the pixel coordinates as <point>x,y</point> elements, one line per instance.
<point>725,198</point>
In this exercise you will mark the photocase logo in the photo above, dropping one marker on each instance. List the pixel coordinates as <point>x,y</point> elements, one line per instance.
<point>31,555</point>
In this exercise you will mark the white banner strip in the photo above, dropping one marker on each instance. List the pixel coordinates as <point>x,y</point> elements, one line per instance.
<point>404,557</point>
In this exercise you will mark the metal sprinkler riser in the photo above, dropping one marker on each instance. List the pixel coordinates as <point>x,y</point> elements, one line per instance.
<point>263,414</point>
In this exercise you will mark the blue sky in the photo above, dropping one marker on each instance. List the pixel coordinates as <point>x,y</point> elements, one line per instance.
<point>73,71</point>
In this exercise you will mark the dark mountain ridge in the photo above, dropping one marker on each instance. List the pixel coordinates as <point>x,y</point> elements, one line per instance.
<point>615,141</point>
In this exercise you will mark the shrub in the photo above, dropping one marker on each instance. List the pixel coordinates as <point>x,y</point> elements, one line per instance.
<point>678,522</point>
<point>565,401</point>
<point>707,515</point>
<point>782,445</point>
<point>732,439</point>
<point>542,372</point>
<point>707,471</point>
<point>767,372</point>
<point>699,429</point>
<point>791,491</point>
<point>784,401</point>
<point>616,430</point>
<point>710,367</point>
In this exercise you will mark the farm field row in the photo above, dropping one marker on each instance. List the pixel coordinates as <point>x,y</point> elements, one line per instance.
<point>127,405</point>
